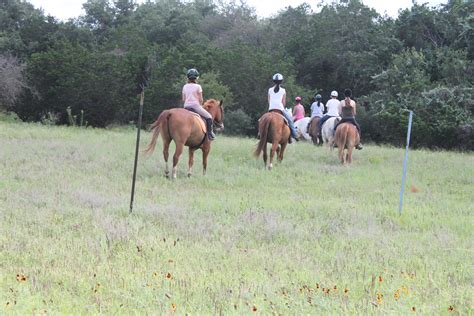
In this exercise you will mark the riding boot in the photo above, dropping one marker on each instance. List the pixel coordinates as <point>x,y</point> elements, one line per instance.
<point>210,129</point>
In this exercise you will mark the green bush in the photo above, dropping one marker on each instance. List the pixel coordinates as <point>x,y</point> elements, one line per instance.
<point>237,123</point>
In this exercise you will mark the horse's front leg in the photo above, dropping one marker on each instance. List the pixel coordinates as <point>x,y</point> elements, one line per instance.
<point>190,162</point>
<point>177,154</point>
<point>205,153</point>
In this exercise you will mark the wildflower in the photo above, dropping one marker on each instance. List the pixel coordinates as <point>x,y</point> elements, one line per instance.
<point>254,308</point>
<point>413,309</point>
<point>169,276</point>
<point>380,279</point>
<point>21,277</point>
<point>451,308</point>
<point>379,298</point>
<point>173,307</point>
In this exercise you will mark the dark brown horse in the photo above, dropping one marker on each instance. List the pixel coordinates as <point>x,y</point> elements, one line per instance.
<point>346,137</point>
<point>272,129</point>
<point>313,129</point>
<point>186,129</point>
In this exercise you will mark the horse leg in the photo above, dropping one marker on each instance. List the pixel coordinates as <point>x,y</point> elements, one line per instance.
<point>190,162</point>
<point>166,147</point>
<point>341,154</point>
<point>205,154</point>
<point>177,154</point>
<point>349,154</point>
<point>272,154</point>
<point>265,156</point>
<point>282,150</point>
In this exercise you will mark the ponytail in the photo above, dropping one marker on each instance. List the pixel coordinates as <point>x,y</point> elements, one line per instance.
<point>319,103</point>
<point>348,101</point>
<point>277,85</point>
<point>277,88</point>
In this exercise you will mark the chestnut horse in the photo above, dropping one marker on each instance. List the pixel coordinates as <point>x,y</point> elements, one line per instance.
<point>313,129</point>
<point>346,137</point>
<point>186,129</point>
<point>272,129</point>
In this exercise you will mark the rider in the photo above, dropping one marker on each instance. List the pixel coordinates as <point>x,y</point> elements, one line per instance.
<point>332,110</point>
<point>298,110</point>
<point>347,109</point>
<point>317,108</point>
<point>277,101</point>
<point>192,97</point>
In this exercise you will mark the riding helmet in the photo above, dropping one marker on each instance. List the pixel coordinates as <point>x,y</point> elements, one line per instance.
<point>318,97</point>
<point>192,73</point>
<point>298,99</point>
<point>334,94</point>
<point>277,77</point>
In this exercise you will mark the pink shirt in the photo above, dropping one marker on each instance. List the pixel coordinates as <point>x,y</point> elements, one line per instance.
<point>191,94</point>
<point>298,112</point>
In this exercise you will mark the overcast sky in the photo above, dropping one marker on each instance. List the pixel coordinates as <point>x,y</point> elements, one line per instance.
<point>64,9</point>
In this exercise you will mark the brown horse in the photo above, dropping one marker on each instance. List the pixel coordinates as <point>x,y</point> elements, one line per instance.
<point>346,137</point>
<point>313,129</point>
<point>186,129</point>
<point>272,129</point>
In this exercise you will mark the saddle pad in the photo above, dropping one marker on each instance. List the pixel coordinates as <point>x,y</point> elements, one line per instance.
<point>199,120</point>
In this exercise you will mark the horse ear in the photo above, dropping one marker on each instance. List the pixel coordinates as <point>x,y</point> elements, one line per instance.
<point>221,102</point>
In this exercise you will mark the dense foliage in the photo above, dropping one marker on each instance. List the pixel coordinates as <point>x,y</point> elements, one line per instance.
<point>421,61</point>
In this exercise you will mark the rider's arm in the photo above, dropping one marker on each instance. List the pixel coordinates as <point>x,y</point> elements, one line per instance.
<point>283,100</point>
<point>355,109</point>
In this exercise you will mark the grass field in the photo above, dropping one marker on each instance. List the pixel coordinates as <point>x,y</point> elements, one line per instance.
<point>309,237</point>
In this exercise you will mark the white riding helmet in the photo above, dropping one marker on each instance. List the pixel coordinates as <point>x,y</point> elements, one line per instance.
<point>277,77</point>
<point>334,93</point>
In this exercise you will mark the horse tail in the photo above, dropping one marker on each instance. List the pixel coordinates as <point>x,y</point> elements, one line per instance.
<point>265,126</point>
<point>155,127</point>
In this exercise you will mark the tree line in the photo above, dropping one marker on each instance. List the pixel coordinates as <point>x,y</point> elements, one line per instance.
<point>91,66</point>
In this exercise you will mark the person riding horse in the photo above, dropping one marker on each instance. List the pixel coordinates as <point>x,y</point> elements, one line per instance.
<point>347,109</point>
<point>192,97</point>
<point>332,110</point>
<point>298,110</point>
<point>277,102</point>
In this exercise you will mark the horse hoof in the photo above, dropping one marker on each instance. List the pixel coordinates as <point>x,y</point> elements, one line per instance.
<point>189,175</point>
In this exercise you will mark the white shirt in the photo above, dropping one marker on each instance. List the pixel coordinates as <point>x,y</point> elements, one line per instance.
<point>333,107</point>
<point>275,102</point>
<point>317,110</point>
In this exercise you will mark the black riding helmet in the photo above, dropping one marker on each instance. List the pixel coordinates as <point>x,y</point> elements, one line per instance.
<point>318,97</point>
<point>192,73</point>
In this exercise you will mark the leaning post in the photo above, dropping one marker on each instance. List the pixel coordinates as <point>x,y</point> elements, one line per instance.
<point>139,126</point>
<point>405,162</point>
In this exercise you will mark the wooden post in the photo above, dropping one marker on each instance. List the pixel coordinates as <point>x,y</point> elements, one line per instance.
<point>139,126</point>
<point>405,162</point>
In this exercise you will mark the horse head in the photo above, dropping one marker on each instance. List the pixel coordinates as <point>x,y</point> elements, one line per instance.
<point>216,110</point>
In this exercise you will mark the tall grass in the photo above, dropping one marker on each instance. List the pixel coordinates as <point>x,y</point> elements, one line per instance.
<point>309,237</point>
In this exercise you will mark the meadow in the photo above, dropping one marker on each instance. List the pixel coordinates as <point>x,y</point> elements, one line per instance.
<point>309,237</point>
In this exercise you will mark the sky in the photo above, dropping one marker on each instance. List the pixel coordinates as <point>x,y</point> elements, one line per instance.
<point>65,9</point>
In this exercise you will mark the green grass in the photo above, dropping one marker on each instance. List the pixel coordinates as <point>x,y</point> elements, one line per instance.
<point>237,239</point>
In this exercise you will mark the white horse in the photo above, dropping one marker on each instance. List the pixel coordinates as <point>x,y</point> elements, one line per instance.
<point>327,131</point>
<point>302,128</point>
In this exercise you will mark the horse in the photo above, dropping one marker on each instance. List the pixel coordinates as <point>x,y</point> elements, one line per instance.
<point>272,129</point>
<point>327,131</point>
<point>313,129</point>
<point>302,128</point>
<point>347,137</point>
<point>186,129</point>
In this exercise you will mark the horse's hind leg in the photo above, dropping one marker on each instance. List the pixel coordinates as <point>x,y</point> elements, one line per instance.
<point>349,154</point>
<point>272,154</point>
<point>265,156</point>
<point>166,147</point>
<point>341,154</point>
<point>177,154</point>
<point>282,150</point>
<point>190,162</point>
